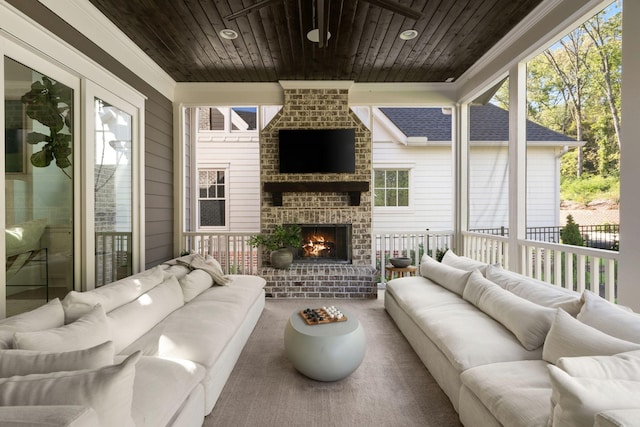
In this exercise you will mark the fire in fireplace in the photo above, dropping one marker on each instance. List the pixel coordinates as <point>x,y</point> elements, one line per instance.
<point>325,243</point>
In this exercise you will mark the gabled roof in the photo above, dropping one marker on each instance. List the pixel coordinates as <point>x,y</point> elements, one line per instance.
<point>488,123</point>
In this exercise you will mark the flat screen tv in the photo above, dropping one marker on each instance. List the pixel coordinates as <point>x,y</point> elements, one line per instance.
<point>317,150</point>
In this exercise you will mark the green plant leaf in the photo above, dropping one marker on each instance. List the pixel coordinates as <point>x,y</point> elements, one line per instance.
<point>37,137</point>
<point>42,158</point>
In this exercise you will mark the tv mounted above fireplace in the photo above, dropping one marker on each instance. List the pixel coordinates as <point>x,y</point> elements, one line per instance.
<point>317,150</point>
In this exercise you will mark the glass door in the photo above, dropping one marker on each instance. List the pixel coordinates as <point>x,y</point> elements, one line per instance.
<point>113,192</point>
<point>39,187</point>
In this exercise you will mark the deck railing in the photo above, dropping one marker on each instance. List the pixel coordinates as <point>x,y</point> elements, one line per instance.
<point>232,250</point>
<point>572,267</point>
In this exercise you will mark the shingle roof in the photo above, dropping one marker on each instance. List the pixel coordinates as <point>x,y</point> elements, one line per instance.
<point>488,123</point>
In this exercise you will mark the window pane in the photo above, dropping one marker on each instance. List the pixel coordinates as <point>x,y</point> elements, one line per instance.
<point>38,188</point>
<point>392,179</point>
<point>392,197</point>
<point>220,192</point>
<point>403,197</point>
<point>378,179</point>
<point>212,213</point>
<point>113,186</point>
<point>403,179</point>
<point>378,197</point>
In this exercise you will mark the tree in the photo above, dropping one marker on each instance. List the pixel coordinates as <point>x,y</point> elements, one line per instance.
<point>570,233</point>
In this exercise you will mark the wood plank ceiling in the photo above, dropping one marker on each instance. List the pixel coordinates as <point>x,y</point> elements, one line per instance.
<point>182,37</point>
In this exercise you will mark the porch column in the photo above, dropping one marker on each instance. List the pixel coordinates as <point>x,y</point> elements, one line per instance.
<point>461,174</point>
<point>628,270</point>
<point>517,163</point>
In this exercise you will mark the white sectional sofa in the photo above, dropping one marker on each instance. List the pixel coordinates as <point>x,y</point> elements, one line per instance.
<point>154,349</point>
<point>514,351</point>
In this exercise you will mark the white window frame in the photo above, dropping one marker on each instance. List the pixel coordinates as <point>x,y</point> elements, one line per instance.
<point>220,167</point>
<point>396,168</point>
<point>90,92</point>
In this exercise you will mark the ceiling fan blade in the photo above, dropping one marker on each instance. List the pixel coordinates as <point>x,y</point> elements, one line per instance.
<point>247,10</point>
<point>397,8</point>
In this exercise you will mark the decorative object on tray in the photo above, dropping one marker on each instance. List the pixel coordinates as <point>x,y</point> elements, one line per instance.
<point>400,262</point>
<point>319,316</point>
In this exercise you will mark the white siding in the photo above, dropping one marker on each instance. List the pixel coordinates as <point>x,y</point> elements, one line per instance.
<point>430,192</point>
<point>241,157</point>
<point>488,187</point>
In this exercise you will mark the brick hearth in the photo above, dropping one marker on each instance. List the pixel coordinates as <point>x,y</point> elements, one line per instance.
<point>320,281</point>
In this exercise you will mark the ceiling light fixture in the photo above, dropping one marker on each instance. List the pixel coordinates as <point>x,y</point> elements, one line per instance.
<point>228,33</point>
<point>408,34</point>
<point>314,35</point>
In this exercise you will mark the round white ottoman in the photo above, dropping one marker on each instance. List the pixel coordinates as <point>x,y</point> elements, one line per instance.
<point>326,352</point>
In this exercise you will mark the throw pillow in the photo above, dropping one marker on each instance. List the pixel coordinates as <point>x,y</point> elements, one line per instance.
<point>50,315</point>
<point>463,263</point>
<point>622,366</point>
<point>609,318</point>
<point>576,401</point>
<point>113,295</point>
<point>568,337</point>
<point>195,283</point>
<point>108,390</point>
<point>534,290</point>
<point>88,331</point>
<point>529,322</point>
<point>451,278</point>
<point>25,362</point>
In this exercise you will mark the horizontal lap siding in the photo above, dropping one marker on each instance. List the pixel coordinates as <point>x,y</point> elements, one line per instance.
<point>243,191</point>
<point>430,190</point>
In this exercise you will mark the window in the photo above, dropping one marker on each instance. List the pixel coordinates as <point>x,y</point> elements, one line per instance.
<point>391,188</point>
<point>211,197</point>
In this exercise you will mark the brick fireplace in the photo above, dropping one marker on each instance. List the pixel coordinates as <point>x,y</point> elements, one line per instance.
<point>327,199</point>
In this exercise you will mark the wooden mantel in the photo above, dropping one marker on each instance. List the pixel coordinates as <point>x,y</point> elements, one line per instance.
<point>353,188</point>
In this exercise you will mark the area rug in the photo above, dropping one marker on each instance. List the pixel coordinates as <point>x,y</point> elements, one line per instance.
<point>390,388</point>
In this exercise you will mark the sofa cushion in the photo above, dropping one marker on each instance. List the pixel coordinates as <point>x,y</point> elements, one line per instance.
<point>25,362</point>
<point>516,393</point>
<point>114,294</point>
<point>528,321</point>
<point>155,403</point>
<point>536,291</point>
<point>88,331</point>
<point>568,337</point>
<point>454,279</point>
<point>50,315</point>
<point>463,263</point>
<point>609,318</point>
<point>195,283</point>
<point>24,237</point>
<point>132,320</point>
<point>48,416</point>
<point>108,390</point>
<point>201,329</point>
<point>618,418</point>
<point>576,400</point>
<point>621,366</point>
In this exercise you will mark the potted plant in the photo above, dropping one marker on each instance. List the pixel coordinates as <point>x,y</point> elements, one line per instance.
<point>280,243</point>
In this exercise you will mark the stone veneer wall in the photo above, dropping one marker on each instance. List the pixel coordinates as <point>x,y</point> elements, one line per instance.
<point>306,109</point>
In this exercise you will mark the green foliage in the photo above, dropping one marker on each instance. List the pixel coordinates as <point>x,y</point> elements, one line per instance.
<point>588,188</point>
<point>570,233</point>
<point>50,104</point>
<point>440,253</point>
<point>281,237</point>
